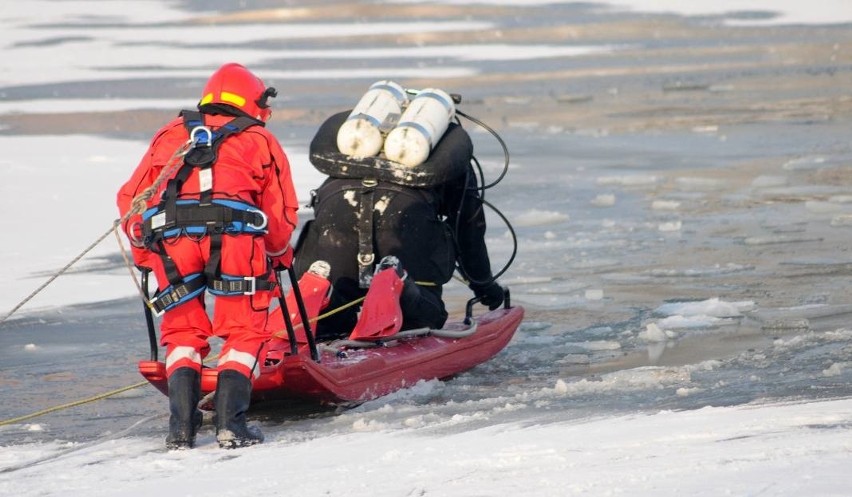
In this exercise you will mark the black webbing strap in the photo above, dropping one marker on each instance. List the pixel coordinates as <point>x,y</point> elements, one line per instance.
<point>246,285</point>
<point>176,294</point>
<point>213,269</point>
<point>222,285</point>
<point>205,219</point>
<point>205,150</point>
<point>366,256</point>
<point>172,274</point>
<point>218,215</point>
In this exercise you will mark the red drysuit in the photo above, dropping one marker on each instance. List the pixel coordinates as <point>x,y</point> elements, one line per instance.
<point>251,168</point>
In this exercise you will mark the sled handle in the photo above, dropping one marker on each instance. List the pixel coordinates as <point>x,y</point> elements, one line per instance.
<point>285,312</point>
<point>288,323</point>
<point>468,310</point>
<point>306,324</point>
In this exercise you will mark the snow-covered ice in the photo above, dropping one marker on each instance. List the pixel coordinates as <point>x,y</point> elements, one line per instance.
<point>618,407</point>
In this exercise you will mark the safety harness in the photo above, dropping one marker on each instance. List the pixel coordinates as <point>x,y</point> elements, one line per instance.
<point>206,216</point>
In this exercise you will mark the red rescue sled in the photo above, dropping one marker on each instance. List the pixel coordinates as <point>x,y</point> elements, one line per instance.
<point>347,373</point>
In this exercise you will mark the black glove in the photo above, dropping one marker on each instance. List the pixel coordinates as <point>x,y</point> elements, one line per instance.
<point>491,294</point>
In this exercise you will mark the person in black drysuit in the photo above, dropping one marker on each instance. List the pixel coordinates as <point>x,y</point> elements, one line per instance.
<point>430,229</point>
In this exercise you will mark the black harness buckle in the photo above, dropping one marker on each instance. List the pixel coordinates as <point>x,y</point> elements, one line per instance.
<point>247,285</point>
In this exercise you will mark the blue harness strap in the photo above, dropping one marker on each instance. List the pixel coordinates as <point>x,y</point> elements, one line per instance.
<point>175,294</point>
<point>191,218</point>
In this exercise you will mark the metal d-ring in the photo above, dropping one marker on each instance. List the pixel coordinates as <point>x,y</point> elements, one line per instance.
<point>263,216</point>
<point>205,129</point>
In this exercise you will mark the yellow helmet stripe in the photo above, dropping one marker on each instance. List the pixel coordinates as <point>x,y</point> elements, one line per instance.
<point>206,99</point>
<point>232,98</point>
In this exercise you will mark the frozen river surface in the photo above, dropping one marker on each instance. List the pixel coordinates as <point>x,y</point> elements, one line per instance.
<point>679,187</point>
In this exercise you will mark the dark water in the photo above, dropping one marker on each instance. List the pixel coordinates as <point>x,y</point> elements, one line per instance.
<point>91,350</point>
<point>70,355</point>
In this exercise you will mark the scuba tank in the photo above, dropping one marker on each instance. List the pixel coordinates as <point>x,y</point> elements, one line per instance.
<point>420,128</point>
<point>361,135</point>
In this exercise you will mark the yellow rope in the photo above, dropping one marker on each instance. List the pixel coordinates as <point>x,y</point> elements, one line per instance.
<point>71,404</point>
<point>332,312</point>
<point>143,383</point>
<point>137,385</point>
<point>343,307</point>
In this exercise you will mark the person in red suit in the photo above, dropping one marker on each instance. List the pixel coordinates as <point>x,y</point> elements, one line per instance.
<point>218,223</point>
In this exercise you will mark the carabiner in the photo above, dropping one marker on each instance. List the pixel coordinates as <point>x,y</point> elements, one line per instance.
<point>205,129</point>
<point>263,216</point>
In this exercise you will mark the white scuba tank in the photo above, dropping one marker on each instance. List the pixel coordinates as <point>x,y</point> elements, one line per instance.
<point>421,126</point>
<point>362,134</point>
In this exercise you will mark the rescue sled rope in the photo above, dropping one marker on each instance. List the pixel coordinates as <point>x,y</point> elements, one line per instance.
<point>282,334</point>
<point>139,204</point>
<point>71,404</point>
<point>143,383</point>
<point>93,398</point>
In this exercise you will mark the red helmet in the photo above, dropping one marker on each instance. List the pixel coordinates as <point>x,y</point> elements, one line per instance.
<point>234,85</point>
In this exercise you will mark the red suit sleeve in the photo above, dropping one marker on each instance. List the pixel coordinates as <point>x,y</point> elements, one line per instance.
<point>278,201</point>
<point>144,175</point>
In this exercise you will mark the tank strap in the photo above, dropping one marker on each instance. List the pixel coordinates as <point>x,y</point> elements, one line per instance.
<point>366,255</point>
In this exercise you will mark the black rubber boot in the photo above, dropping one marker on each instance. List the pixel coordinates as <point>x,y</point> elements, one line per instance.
<point>421,307</point>
<point>185,418</point>
<point>233,395</point>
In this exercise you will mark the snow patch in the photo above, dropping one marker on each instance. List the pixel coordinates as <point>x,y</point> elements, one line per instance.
<point>537,217</point>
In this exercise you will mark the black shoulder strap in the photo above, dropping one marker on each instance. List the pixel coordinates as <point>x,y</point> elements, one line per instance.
<point>205,148</point>
<point>208,141</point>
<point>203,155</point>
